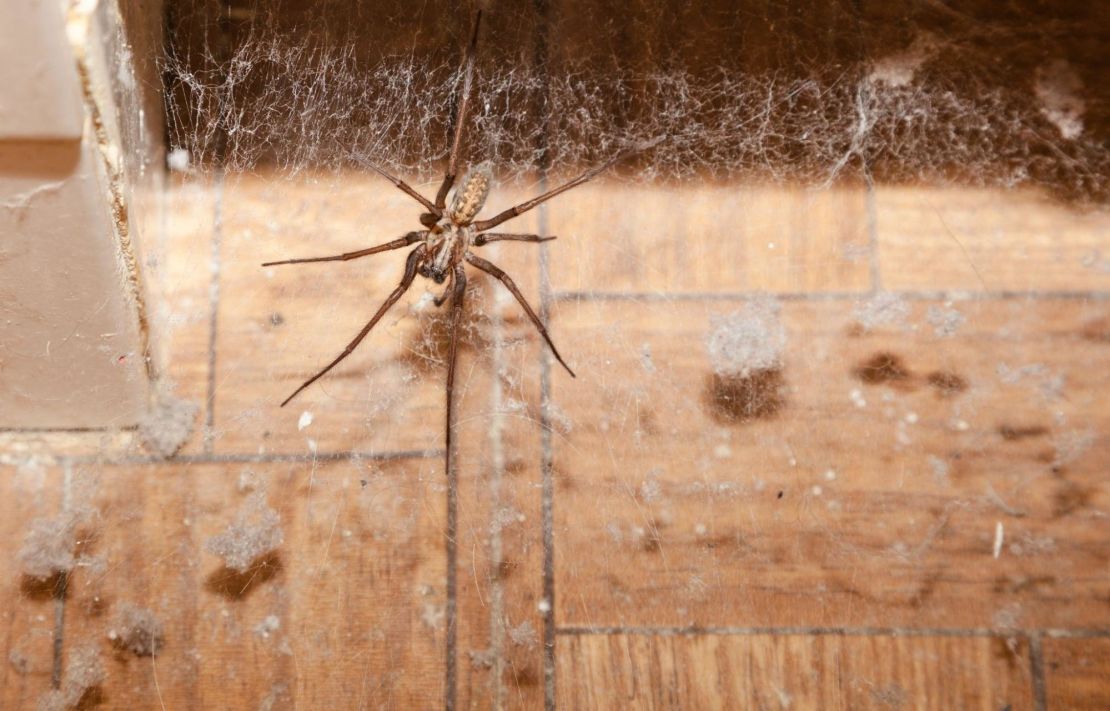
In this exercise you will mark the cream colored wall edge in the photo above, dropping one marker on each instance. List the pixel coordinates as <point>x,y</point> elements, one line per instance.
<point>73,206</point>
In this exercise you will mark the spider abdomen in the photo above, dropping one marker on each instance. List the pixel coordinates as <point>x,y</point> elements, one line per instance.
<point>471,195</point>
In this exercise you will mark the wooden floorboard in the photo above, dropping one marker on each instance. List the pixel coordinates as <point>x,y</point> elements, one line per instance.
<point>30,496</point>
<point>1076,673</point>
<point>792,671</point>
<point>909,510</point>
<point>832,500</point>
<point>347,605</point>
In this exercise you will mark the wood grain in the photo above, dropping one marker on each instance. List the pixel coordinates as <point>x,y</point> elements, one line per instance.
<point>499,567</point>
<point>1077,671</point>
<point>656,239</point>
<point>834,501</point>
<point>180,285</point>
<point>905,432</point>
<point>981,240</point>
<point>27,608</point>
<point>793,671</point>
<point>279,325</point>
<point>349,606</point>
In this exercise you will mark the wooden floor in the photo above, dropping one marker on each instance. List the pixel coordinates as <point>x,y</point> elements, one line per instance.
<point>910,510</point>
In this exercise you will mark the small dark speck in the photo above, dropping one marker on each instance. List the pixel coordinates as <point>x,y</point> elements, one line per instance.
<point>779,496</point>
<point>1011,433</point>
<point>276,319</point>
<point>363,482</point>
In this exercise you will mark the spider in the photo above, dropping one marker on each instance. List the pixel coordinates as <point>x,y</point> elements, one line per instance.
<point>450,235</point>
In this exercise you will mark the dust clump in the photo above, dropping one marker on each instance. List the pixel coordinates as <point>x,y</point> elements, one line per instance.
<point>19,661</point>
<point>1059,91</point>
<point>891,696</point>
<point>137,630</point>
<point>524,635</point>
<point>899,68</point>
<point>48,547</point>
<point>750,339</point>
<point>1048,384</point>
<point>433,616</point>
<point>883,309</point>
<point>650,490</point>
<point>746,351</point>
<point>255,532</point>
<point>946,321</point>
<point>267,627</point>
<point>1071,445</point>
<point>54,546</point>
<point>80,687</point>
<point>167,425</point>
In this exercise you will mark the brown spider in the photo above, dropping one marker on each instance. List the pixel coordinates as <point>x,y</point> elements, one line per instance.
<point>449,235</point>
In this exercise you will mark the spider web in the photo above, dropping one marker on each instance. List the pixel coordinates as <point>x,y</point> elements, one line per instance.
<point>766,119</point>
<point>298,91</point>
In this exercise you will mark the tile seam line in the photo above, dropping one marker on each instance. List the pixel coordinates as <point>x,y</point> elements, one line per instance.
<point>956,295</point>
<point>213,316</point>
<point>388,456</point>
<point>1052,633</point>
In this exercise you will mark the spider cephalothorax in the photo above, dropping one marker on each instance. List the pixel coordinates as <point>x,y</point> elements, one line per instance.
<point>449,239</point>
<point>449,234</point>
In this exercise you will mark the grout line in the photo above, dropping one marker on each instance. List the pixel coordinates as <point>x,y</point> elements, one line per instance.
<point>59,630</point>
<point>547,601</point>
<point>959,295</point>
<point>214,307</point>
<point>256,458</point>
<point>872,233</point>
<point>311,456</point>
<point>1036,664</point>
<point>497,473</point>
<point>66,430</point>
<point>61,589</point>
<point>821,631</point>
<point>450,672</point>
<point>1075,634</point>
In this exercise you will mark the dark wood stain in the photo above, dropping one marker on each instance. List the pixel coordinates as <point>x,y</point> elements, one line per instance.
<point>50,588</point>
<point>1068,498</point>
<point>1097,331</point>
<point>238,585</point>
<point>735,399</point>
<point>883,368</point>
<point>946,383</point>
